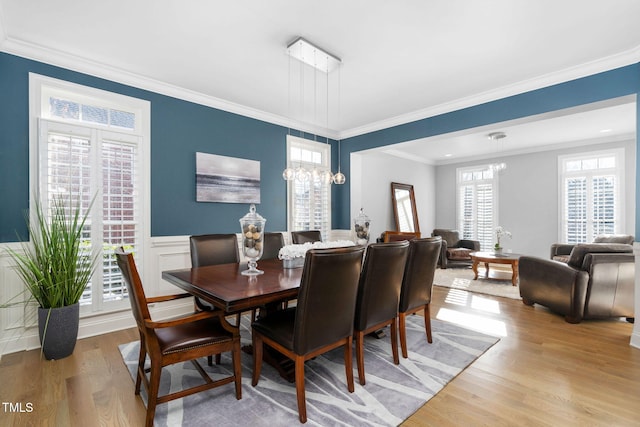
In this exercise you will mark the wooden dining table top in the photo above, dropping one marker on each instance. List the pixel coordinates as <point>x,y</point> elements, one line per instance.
<point>226,288</point>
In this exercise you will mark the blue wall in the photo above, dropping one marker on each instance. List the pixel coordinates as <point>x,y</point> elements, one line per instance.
<point>611,84</point>
<point>179,129</point>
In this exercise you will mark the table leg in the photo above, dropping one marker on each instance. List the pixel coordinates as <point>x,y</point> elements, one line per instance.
<point>486,270</point>
<point>474,267</point>
<point>514,275</point>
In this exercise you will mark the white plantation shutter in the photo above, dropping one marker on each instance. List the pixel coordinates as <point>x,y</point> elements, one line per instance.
<point>590,201</point>
<point>309,206</point>
<point>78,163</point>
<point>477,205</point>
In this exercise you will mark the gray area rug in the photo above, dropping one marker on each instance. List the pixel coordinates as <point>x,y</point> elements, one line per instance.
<point>392,393</point>
<point>498,283</point>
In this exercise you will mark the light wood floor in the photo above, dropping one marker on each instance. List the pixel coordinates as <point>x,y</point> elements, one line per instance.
<point>542,372</point>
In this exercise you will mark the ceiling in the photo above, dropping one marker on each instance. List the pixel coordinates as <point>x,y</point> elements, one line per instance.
<point>401,61</point>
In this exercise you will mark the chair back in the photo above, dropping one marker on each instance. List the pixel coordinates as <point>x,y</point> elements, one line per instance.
<point>418,273</point>
<point>299,237</point>
<point>213,249</point>
<point>327,297</point>
<point>272,243</point>
<point>380,281</point>
<point>134,287</point>
<point>614,238</point>
<point>452,237</point>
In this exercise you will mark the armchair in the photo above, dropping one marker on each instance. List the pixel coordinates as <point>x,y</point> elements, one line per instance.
<point>597,282</point>
<point>455,252</point>
<point>561,251</point>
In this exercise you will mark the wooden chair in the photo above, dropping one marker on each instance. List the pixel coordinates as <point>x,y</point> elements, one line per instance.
<point>322,319</point>
<point>397,236</point>
<point>299,237</point>
<point>177,340</point>
<point>415,294</point>
<point>378,296</point>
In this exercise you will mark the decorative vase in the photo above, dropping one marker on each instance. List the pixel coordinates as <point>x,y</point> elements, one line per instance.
<point>361,227</point>
<point>58,329</point>
<point>497,251</point>
<point>252,225</point>
<point>293,262</point>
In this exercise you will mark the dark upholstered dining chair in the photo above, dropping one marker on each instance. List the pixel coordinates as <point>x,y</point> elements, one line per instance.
<point>322,319</point>
<point>299,237</point>
<point>272,242</point>
<point>378,296</point>
<point>415,294</point>
<point>177,340</point>
<point>212,249</point>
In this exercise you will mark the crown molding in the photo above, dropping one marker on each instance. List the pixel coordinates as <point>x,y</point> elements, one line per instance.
<point>82,65</point>
<point>628,57</point>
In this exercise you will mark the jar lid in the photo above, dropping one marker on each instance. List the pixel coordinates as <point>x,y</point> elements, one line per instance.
<point>252,216</point>
<point>362,217</point>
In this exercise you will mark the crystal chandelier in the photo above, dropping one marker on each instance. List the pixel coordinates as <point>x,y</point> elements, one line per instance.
<point>325,62</point>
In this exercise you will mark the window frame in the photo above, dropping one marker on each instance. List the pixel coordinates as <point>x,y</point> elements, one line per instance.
<point>40,88</point>
<point>325,151</point>
<point>619,201</point>
<point>460,220</point>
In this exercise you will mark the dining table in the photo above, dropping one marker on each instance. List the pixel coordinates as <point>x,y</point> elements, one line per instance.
<point>226,288</point>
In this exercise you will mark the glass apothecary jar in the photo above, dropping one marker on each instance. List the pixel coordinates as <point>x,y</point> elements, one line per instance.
<point>252,226</point>
<point>361,227</point>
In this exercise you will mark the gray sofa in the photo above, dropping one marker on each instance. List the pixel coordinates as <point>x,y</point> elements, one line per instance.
<point>597,282</point>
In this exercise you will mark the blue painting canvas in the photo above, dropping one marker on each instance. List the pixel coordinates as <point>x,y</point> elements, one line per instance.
<point>227,179</point>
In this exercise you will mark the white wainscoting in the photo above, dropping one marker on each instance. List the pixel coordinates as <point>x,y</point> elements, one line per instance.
<point>18,329</point>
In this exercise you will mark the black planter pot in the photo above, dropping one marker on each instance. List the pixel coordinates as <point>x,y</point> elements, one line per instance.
<point>59,339</point>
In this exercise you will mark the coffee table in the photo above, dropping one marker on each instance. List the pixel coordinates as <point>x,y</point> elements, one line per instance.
<point>490,257</point>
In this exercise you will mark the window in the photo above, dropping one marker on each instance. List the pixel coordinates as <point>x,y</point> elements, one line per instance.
<point>90,148</point>
<point>590,195</point>
<point>477,204</point>
<point>309,202</point>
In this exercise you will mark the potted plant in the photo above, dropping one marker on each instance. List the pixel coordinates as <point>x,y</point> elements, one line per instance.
<point>56,267</point>
<point>500,233</point>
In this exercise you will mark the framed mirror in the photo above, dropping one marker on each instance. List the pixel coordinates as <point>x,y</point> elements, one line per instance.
<point>404,207</point>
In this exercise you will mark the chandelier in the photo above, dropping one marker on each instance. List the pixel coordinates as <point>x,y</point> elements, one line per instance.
<point>497,136</point>
<point>324,62</point>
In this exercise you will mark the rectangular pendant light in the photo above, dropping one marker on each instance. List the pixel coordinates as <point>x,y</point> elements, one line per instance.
<point>310,54</point>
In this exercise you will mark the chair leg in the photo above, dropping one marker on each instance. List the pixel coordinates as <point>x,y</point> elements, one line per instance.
<point>299,374</point>
<point>427,323</point>
<point>403,333</point>
<point>141,359</point>
<point>394,341</point>
<point>348,363</point>
<point>154,385</point>
<point>257,357</point>
<point>218,357</point>
<point>360,356</point>
<point>237,369</point>
<point>210,360</point>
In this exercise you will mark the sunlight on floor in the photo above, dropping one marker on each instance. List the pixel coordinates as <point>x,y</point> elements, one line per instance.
<point>468,299</point>
<point>479,322</point>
